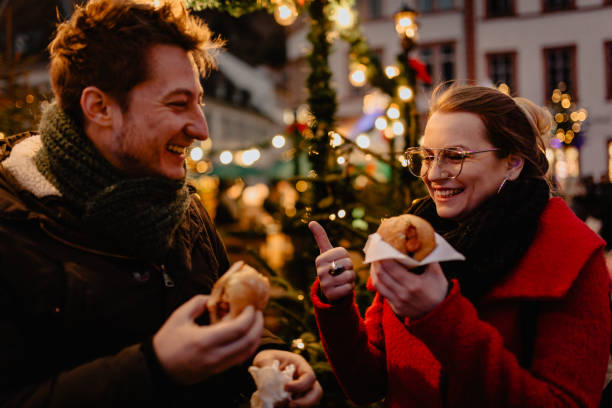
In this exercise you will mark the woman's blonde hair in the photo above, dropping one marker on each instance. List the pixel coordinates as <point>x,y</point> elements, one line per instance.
<point>516,126</point>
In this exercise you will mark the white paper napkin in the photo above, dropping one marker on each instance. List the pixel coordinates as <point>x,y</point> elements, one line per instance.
<point>376,249</point>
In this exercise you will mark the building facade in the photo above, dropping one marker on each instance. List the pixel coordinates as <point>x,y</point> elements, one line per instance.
<point>532,46</point>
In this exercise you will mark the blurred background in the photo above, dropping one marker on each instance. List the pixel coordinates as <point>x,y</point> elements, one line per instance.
<point>314,102</point>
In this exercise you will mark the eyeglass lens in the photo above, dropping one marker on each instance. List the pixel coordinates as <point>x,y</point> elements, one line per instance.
<point>449,160</point>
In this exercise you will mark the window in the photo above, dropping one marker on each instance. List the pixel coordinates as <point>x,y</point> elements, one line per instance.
<point>502,69</point>
<point>556,5</point>
<point>435,5</point>
<point>369,9</point>
<point>500,8</point>
<point>559,65</point>
<point>439,60</point>
<point>608,52</point>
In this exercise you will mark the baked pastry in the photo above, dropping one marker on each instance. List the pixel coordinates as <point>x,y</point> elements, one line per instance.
<point>409,234</point>
<point>239,287</point>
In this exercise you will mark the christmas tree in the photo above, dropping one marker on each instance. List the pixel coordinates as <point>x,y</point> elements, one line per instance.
<point>349,187</point>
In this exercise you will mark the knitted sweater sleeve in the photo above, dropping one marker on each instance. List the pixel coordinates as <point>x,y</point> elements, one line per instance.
<point>570,349</point>
<point>354,346</point>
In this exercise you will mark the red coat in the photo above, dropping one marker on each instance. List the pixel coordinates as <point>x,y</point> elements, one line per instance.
<point>462,356</point>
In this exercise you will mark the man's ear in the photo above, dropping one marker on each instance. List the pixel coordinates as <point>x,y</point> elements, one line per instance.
<point>515,166</point>
<point>96,106</point>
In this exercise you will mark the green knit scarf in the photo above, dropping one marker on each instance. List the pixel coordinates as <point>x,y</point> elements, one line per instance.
<point>138,215</point>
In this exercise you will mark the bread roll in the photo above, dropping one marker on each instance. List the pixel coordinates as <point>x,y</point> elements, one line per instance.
<point>409,234</point>
<point>239,287</point>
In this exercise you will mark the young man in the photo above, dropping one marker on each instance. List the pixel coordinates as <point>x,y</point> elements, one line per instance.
<point>104,250</point>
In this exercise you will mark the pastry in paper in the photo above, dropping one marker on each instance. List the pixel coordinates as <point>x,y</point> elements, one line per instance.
<point>270,381</point>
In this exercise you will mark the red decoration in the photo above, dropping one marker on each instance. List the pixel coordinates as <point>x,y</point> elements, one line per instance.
<point>300,128</point>
<point>421,70</point>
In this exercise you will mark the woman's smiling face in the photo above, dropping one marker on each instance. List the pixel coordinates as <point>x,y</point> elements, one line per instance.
<point>481,174</point>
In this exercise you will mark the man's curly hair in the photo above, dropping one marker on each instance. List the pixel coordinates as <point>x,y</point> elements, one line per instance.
<point>105,44</point>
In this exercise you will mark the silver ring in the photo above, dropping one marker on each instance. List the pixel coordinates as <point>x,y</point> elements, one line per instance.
<point>335,270</point>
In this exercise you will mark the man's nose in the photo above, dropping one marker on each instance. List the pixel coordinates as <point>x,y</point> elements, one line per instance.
<point>198,127</point>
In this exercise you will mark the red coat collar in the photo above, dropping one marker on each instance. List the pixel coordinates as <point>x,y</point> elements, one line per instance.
<point>562,245</point>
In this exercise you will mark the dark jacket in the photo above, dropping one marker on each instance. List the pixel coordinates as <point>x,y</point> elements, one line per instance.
<point>77,317</point>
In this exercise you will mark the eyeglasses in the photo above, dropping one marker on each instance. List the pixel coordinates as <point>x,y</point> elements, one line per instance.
<point>450,159</point>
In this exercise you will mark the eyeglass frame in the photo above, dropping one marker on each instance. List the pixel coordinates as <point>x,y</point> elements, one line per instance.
<point>464,153</point>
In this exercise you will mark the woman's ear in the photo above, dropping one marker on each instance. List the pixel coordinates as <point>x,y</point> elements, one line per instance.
<point>515,166</point>
<point>96,106</point>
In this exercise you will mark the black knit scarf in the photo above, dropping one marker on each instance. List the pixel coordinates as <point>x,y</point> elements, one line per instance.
<point>139,215</point>
<point>493,238</point>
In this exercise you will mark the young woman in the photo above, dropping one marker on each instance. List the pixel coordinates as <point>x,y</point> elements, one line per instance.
<point>524,321</point>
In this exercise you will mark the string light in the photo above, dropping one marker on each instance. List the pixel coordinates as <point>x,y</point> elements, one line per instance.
<point>393,111</point>
<point>358,75</point>
<point>380,123</point>
<point>250,156</point>
<point>341,160</point>
<point>363,141</point>
<point>196,153</point>
<point>341,213</point>
<point>405,93</point>
<point>285,12</point>
<point>398,128</point>
<point>335,139</point>
<point>278,141</point>
<point>226,157</point>
<point>391,71</point>
<point>343,16</point>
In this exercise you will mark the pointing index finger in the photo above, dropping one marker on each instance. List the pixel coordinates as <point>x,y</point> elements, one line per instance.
<point>320,236</point>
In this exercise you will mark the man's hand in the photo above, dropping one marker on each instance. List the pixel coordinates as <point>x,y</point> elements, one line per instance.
<point>190,353</point>
<point>305,389</point>
<point>333,286</point>
<point>409,294</point>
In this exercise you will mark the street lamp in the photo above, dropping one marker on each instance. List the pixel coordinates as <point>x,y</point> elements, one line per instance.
<point>406,27</point>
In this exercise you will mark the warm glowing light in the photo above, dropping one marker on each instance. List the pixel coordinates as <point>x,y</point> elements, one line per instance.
<point>288,116</point>
<point>341,160</point>
<point>332,217</point>
<point>566,103</point>
<point>363,141</point>
<point>301,186</point>
<point>574,116</point>
<point>576,127</point>
<point>250,156</point>
<point>29,98</point>
<point>398,128</point>
<point>226,157</point>
<point>202,167</point>
<point>285,12</point>
<point>405,93</point>
<point>380,123</point>
<point>405,22</point>
<point>196,153</point>
<point>559,117</point>
<point>335,139</point>
<point>582,115</point>
<point>393,112</point>
<point>254,196</point>
<point>358,75</point>
<point>341,213</point>
<point>278,141</point>
<point>343,16</point>
<point>391,71</point>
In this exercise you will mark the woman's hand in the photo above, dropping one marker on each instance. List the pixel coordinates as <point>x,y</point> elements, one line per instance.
<point>409,295</point>
<point>334,266</point>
